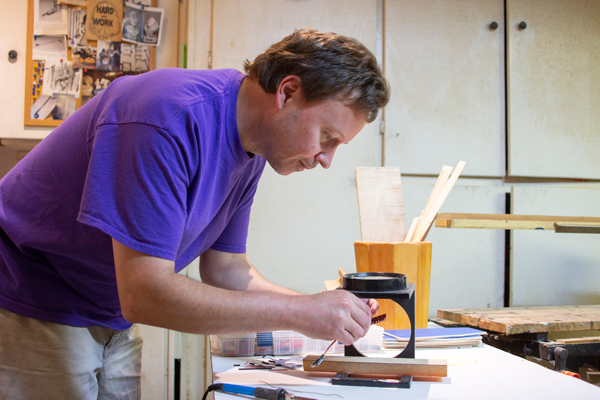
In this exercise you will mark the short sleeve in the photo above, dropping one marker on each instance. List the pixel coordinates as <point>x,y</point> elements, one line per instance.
<point>136,188</point>
<point>234,236</point>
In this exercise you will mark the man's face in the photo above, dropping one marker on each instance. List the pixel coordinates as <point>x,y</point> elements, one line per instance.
<point>304,134</point>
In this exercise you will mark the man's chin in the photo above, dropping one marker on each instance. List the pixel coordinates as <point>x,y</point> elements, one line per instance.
<point>283,170</point>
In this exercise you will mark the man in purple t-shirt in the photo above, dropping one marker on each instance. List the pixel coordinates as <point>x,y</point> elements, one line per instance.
<point>153,172</point>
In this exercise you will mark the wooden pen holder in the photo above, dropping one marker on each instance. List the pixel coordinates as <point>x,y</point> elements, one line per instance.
<point>410,259</point>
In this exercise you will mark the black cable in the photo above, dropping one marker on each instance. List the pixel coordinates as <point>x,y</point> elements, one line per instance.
<point>214,386</point>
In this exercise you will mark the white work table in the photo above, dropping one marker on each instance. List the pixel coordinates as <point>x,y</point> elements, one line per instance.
<point>491,374</point>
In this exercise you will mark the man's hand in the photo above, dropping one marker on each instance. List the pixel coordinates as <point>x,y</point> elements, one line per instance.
<point>336,314</point>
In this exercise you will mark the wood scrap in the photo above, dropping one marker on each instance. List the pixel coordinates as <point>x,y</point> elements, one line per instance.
<point>378,366</point>
<point>434,208</point>
<point>435,193</point>
<point>510,221</point>
<point>336,283</point>
<point>411,230</point>
<point>380,204</point>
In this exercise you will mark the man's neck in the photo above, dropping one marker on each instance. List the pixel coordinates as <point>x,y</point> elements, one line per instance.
<point>252,111</point>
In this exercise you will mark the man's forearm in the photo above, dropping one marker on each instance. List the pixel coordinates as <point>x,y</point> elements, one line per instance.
<point>234,272</point>
<point>151,292</point>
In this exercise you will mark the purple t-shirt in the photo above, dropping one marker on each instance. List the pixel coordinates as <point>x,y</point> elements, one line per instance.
<point>154,161</point>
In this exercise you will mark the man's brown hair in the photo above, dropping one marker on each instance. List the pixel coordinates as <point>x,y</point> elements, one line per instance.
<point>328,65</point>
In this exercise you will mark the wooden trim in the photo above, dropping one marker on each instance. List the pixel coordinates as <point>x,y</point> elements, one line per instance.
<point>425,224</point>
<point>378,366</point>
<point>509,221</point>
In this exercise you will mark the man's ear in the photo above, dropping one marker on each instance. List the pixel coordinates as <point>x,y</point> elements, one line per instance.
<point>290,87</point>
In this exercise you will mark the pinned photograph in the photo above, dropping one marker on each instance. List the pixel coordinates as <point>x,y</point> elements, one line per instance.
<point>84,57</point>
<point>104,20</point>
<point>77,18</point>
<point>109,56</point>
<point>95,81</point>
<point>152,24</point>
<point>146,3</point>
<point>61,77</point>
<point>42,107</point>
<point>142,25</point>
<point>65,106</point>
<point>45,47</point>
<point>50,18</point>
<point>135,58</point>
<point>132,24</point>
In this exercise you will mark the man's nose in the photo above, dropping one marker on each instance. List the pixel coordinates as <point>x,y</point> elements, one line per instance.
<point>325,158</point>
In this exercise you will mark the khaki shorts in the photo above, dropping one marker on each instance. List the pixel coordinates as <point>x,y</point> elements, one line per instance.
<point>45,360</point>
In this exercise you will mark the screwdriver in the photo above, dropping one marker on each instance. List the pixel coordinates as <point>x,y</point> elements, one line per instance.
<point>257,392</point>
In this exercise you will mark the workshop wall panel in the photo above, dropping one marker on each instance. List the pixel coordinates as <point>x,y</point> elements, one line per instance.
<point>445,66</point>
<point>555,269</point>
<point>554,88</point>
<point>467,265</point>
<point>303,226</point>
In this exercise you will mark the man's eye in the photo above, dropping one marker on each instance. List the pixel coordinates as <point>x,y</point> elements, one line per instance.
<point>328,136</point>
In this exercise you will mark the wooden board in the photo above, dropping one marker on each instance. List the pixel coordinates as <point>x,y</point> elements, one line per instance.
<point>589,339</point>
<point>509,221</point>
<point>515,320</point>
<point>380,204</point>
<point>378,366</point>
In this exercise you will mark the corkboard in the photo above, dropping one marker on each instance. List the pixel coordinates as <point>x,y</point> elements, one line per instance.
<point>31,67</point>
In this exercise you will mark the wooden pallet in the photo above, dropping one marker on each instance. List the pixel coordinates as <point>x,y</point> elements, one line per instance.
<point>517,320</point>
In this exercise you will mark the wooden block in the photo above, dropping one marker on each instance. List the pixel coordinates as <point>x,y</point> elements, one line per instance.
<point>510,221</point>
<point>410,259</point>
<point>378,366</point>
<point>380,204</point>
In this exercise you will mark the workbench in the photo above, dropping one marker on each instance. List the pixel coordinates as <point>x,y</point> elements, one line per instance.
<point>523,331</point>
<point>481,372</point>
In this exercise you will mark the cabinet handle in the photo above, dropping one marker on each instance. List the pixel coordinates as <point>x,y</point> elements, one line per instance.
<point>494,26</point>
<point>12,55</point>
<point>523,25</point>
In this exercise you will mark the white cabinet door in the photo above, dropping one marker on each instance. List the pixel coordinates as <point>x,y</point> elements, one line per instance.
<point>555,269</point>
<point>554,88</point>
<point>13,34</point>
<point>467,265</point>
<point>446,69</point>
<point>303,227</point>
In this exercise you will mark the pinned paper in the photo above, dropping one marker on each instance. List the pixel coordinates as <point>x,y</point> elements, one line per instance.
<point>42,107</point>
<point>104,20</point>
